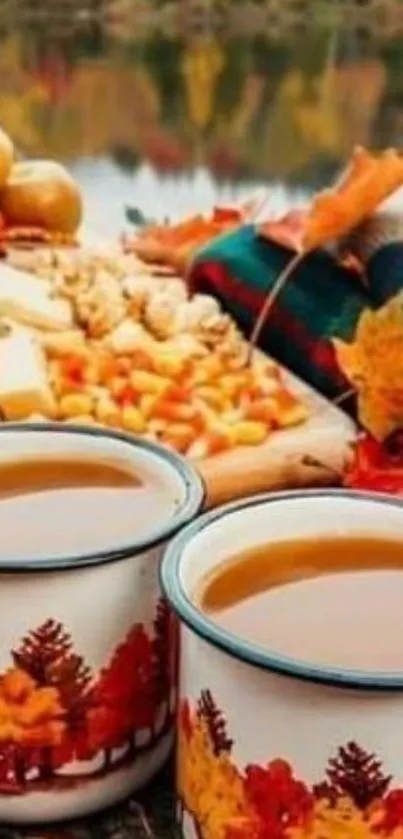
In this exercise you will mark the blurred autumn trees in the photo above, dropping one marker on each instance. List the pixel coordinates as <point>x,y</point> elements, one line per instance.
<point>260,106</point>
<point>55,710</point>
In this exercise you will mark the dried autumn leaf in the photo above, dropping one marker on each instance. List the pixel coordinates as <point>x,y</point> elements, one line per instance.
<point>367,181</point>
<point>176,244</point>
<point>373,363</point>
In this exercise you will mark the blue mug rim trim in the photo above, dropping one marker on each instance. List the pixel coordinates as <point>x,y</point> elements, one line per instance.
<point>241,649</point>
<point>193,501</point>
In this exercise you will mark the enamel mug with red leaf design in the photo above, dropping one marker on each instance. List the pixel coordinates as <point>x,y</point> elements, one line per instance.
<point>88,646</point>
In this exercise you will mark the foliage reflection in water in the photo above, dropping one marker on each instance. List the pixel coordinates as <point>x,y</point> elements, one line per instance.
<point>172,122</point>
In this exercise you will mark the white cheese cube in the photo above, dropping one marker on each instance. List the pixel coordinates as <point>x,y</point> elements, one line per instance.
<point>27,299</point>
<point>24,387</point>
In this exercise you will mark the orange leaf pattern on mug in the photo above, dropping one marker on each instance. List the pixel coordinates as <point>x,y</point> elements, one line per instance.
<point>30,715</point>
<point>226,799</point>
<point>208,783</point>
<point>54,709</point>
<point>373,363</point>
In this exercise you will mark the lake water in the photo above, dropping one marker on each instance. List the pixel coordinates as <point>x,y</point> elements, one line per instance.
<point>171,108</point>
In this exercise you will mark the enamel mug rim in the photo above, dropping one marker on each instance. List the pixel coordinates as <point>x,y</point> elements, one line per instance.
<point>187,510</point>
<point>241,649</point>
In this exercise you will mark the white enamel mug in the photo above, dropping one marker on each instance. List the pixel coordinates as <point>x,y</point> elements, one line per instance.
<point>87,647</point>
<point>269,746</point>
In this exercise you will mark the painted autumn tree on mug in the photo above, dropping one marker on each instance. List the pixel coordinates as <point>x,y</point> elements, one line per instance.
<point>54,710</point>
<point>355,800</point>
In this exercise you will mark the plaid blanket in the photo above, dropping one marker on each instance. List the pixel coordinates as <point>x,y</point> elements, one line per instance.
<point>321,300</point>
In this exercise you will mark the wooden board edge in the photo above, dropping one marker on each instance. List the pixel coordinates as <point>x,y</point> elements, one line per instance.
<point>312,454</point>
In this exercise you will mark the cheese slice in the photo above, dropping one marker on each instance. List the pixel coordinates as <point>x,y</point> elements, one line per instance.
<point>27,299</point>
<point>24,387</point>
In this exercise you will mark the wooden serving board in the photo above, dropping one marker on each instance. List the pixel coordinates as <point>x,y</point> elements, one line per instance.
<point>311,454</point>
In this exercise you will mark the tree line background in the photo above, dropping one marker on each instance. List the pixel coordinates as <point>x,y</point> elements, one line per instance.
<point>281,105</point>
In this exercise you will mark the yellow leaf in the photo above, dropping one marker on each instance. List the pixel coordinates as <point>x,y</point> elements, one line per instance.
<point>373,363</point>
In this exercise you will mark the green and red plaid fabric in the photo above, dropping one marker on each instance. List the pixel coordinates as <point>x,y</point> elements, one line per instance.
<point>322,300</point>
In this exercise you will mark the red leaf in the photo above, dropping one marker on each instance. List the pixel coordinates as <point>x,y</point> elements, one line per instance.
<point>375,467</point>
<point>227,215</point>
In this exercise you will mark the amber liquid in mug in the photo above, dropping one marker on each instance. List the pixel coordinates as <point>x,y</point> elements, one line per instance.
<point>67,506</point>
<point>335,601</point>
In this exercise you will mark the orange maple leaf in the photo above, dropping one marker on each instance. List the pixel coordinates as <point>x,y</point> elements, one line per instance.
<point>366,182</point>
